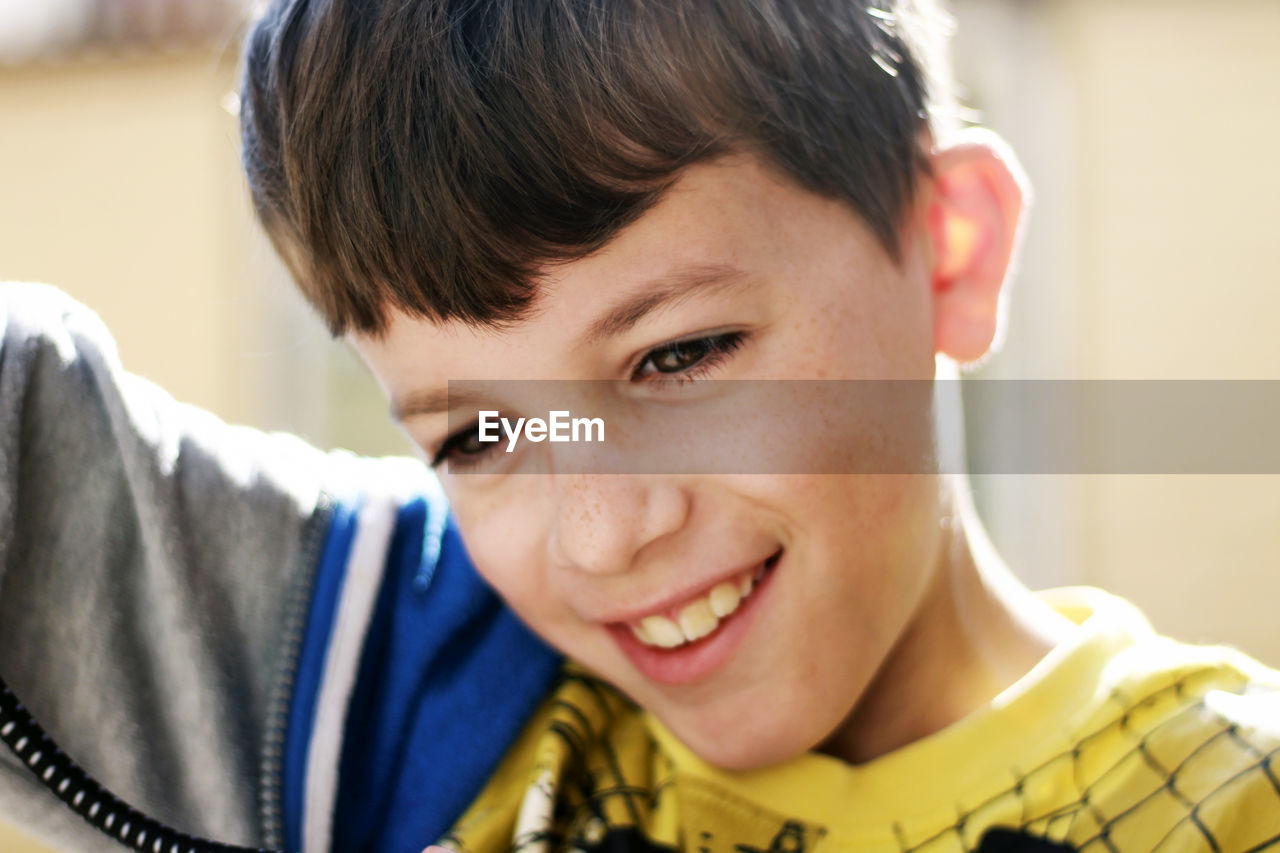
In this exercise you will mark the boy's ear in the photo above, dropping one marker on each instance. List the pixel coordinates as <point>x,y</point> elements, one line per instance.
<point>974,215</point>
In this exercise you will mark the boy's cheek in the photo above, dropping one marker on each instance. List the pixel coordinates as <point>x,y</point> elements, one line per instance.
<point>503,541</point>
<point>867,546</point>
<point>520,580</point>
<point>507,542</point>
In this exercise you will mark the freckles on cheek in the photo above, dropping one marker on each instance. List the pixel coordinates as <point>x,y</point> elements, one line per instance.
<point>865,502</point>
<point>888,497</point>
<point>884,500</point>
<point>883,524</point>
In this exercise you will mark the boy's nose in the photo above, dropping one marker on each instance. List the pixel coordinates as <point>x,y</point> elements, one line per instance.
<point>600,522</point>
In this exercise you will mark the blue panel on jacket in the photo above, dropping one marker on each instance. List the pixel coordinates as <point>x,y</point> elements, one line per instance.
<point>306,684</point>
<point>448,679</point>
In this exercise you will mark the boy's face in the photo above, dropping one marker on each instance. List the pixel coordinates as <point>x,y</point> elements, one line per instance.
<point>841,563</point>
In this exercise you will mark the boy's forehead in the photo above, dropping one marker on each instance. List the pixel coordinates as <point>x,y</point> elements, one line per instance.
<point>717,214</point>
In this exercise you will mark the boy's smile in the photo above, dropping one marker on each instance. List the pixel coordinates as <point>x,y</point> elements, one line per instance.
<point>749,612</point>
<point>685,642</point>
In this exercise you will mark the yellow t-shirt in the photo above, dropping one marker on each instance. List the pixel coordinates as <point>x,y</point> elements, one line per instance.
<point>1119,740</point>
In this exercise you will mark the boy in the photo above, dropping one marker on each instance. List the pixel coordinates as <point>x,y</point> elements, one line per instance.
<point>630,192</point>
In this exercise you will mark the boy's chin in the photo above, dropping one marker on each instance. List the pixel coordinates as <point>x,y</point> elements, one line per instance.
<point>746,741</point>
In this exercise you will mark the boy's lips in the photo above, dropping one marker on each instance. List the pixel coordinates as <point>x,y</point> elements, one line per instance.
<point>699,616</point>
<point>686,641</point>
<point>671,603</point>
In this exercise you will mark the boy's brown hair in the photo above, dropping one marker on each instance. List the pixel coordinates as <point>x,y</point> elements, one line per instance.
<point>432,155</point>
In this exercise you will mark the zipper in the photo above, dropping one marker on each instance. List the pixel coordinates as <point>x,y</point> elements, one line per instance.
<point>296,607</point>
<point>116,818</point>
<point>103,810</point>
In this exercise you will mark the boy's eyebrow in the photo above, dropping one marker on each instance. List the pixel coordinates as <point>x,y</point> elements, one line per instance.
<point>430,403</point>
<point>669,287</point>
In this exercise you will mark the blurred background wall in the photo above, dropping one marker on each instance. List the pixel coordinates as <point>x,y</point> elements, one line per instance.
<point>1147,128</point>
<point>1148,131</point>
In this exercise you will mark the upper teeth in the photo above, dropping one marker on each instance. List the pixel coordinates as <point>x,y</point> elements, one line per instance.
<point>696,619</point>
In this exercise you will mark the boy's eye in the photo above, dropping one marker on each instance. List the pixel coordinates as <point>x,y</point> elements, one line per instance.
<point>463,448</point>
<point>681,360</point>
<point>690,358</point>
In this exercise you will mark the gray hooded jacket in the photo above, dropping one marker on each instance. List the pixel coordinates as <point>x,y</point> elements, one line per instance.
<point>152,561</point>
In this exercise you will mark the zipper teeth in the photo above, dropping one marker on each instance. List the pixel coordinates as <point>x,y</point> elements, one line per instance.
<point>103,810</point>
<point>271,764</point>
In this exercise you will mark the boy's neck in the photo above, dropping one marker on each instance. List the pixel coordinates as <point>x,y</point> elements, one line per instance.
<point>976,632</point>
